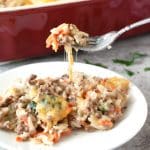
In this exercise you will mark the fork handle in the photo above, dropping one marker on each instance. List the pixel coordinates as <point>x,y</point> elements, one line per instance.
<point>132,26</point>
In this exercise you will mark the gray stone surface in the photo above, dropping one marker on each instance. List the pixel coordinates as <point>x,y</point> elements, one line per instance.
<point>121,49</point>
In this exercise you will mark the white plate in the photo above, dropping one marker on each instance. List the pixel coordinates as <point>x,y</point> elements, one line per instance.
<point>127,128</point>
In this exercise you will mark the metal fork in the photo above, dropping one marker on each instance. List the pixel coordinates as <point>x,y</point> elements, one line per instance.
<point>104,41</point>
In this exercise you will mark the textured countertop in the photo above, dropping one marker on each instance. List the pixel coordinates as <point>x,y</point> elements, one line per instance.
<point>121,49</point>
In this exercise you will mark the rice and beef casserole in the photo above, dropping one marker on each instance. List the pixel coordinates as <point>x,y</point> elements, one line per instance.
<point>45,109</point>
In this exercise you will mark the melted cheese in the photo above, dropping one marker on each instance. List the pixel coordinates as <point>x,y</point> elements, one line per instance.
<point>52,109</point>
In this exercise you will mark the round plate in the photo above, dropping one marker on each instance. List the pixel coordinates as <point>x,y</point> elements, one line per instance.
<point>125,129</point>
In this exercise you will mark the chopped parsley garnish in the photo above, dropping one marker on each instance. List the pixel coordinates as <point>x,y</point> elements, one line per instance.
<point>131,61</point>
<point>96,64</point>
<point>103,110</point>
<point>138,55</point>
<point>147,69</point>
<point>59,105</point>
<point>123,62</point>
<point>44,101</point>
<point>32,106</point>
<point>53,98</point>
<point>130,73</point>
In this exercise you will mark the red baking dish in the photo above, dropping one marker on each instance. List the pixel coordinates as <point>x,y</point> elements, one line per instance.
<point>23,30</point>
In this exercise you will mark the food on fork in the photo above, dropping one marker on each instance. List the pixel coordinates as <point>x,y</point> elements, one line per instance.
<point>67,35</point>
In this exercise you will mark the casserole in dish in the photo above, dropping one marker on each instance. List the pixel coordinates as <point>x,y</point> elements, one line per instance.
<point>23,30</point>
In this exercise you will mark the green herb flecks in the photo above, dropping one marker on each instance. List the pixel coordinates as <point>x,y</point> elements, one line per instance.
<point>123,62</point>
<point>147,69</point>
<point>131,61</point>
<point>96,64</point>
<point>53,98</point>
<point>130,73</point>
<point>59,105</point>
<point>32,106</point>
<point>44,101</point>
<point>138,55</point>
<point>103,110</point>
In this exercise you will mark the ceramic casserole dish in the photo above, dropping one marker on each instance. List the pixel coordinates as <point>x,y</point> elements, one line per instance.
<point>23,30</point>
